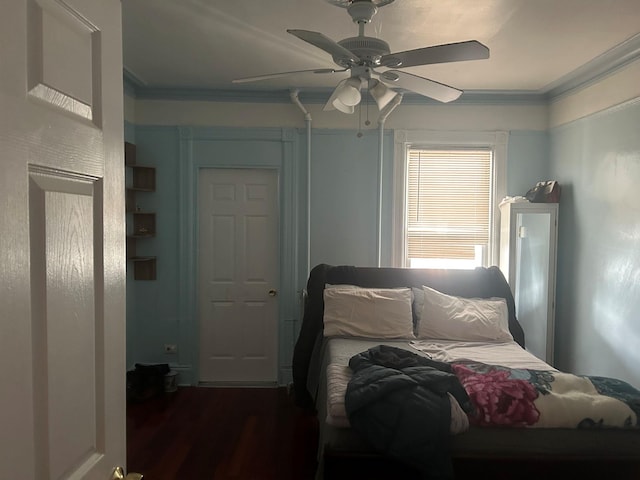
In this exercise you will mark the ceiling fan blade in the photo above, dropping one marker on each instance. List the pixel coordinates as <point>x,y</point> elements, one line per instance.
<point>423,86</point>
<point>450,52</point>
<point>283,74</point>
<point>325,43</point>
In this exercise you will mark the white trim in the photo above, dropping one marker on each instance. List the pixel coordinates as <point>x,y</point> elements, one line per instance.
<point>404,139</point>
<point>615,89</point>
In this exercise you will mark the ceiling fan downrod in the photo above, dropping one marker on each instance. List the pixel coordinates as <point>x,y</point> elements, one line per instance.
<point>368,49</point>
<point>362,13</point>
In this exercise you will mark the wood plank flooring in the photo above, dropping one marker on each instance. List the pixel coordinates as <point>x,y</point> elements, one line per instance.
<point>202,433</point>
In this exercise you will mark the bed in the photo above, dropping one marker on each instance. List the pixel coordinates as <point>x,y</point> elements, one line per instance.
<point>322,378</point>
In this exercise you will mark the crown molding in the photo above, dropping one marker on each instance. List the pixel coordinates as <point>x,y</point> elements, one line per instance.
<point>606,64</point>
<point>318,96</point>
<point>595,70</point>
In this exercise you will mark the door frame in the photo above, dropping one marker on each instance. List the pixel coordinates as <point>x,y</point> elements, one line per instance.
<point>199,148</point>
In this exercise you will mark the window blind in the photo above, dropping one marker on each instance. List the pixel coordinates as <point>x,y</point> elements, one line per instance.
<point>448,203</point>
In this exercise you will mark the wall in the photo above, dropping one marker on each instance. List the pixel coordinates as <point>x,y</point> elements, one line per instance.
<point>153,306</point>
<point>497,115</point>
<point>595,154</point>
<point>528,160</point>
<point>344,196</point>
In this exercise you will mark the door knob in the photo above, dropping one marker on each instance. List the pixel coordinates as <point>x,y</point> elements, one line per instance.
<point>273,292</point>
<point>118,474</point>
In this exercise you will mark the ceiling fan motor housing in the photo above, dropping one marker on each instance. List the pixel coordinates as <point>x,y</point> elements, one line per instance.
<point>368,49</point>
<point>349,3</point>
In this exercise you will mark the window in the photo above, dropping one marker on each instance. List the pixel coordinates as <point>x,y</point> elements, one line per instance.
<point>448,207</point>
<point>445,202</point>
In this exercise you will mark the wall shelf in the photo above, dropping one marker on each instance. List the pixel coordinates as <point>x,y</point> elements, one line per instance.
<point>141,225</point>
<point>144,268</point>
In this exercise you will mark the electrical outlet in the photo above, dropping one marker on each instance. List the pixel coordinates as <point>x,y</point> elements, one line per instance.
<point>170,348</point>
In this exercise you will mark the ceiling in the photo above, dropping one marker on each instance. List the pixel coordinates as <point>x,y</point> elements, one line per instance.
<point>535,45</point>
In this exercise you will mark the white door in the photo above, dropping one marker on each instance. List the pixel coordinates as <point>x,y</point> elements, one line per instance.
<point>238,275</point>
<point>62,406</point>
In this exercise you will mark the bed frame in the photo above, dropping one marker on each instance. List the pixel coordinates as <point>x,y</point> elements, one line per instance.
<point>499,451</point>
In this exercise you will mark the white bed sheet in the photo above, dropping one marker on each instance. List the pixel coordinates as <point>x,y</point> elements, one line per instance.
<point>508,354</point>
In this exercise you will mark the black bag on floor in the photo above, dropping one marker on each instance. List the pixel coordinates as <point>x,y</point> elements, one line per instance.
<point>146,381</point>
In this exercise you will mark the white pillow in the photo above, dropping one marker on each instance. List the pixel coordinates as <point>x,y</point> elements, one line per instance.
<point>367,312</point>
<point>465,319</point>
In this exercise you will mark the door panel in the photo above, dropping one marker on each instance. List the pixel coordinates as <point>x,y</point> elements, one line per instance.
<point>61,211</point>
<point>62,245</point>
<point>238,262</point>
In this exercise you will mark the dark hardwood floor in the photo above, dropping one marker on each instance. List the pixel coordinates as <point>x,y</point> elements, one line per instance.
<point>202,433</point>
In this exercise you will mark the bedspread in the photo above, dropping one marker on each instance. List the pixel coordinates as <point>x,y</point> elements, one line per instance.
<point>535,398</point>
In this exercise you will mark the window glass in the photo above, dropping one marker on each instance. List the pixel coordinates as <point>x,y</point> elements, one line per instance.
<point>448,207</point>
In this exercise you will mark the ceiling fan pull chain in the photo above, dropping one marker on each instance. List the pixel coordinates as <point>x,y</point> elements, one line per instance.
<point>367,122</point>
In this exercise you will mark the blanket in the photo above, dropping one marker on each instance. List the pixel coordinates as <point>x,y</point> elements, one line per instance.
<point>399,402</point>
<point>510,397</point>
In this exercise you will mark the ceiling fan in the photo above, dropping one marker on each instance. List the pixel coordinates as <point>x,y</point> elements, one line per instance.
<point>363,55</point>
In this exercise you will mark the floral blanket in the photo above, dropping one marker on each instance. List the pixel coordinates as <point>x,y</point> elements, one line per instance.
<point>546,399</point>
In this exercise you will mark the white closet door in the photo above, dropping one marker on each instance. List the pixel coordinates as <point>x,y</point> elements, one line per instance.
<point>238,275</point>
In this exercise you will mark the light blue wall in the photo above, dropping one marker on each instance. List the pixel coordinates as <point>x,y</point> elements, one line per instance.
<point>344,197</point>
<point>344,206</point>
<point>597,161</point>
<point>528,160</point>
<point>152,306</point>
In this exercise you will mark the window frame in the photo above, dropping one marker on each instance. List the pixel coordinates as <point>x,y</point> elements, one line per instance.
<point>404,140</point>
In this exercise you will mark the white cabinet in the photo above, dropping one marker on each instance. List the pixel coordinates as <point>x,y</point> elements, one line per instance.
<point>528,239</point>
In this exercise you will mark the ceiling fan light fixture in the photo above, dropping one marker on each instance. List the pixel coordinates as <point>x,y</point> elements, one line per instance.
<point>344,96</point>
<point>338,105</point>
<point>348,91</point>
<point>381,93</point>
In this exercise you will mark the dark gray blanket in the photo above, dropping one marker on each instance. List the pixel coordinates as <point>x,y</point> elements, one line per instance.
<point>397,401</point>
